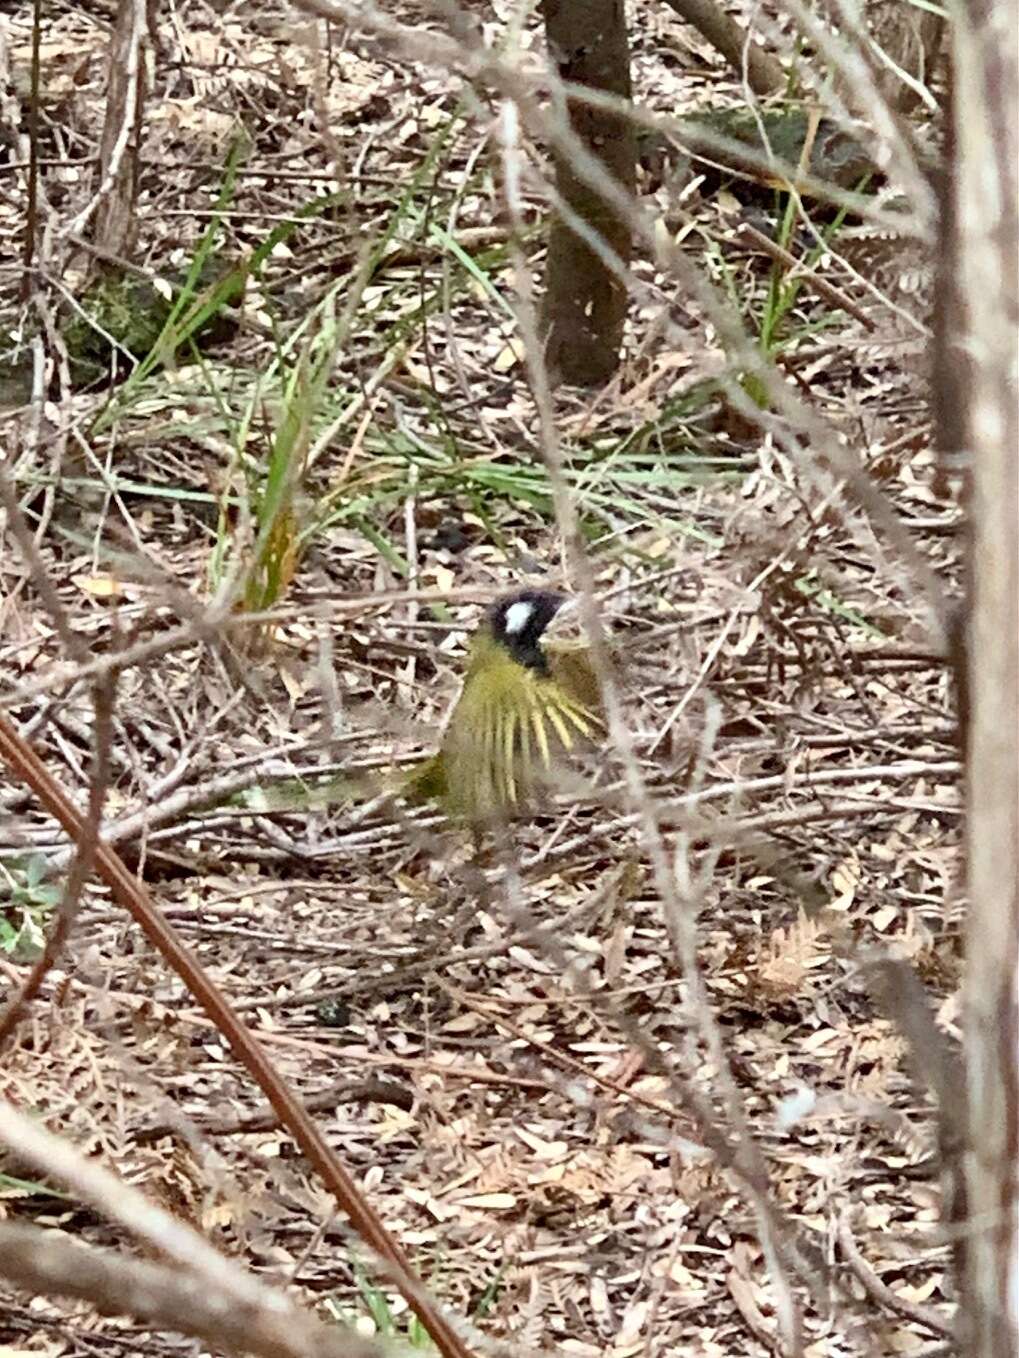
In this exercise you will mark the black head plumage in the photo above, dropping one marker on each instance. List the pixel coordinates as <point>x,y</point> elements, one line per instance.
<point>518,622</point>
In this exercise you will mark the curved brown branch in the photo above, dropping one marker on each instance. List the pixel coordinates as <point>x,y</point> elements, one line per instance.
<point>129,892</point>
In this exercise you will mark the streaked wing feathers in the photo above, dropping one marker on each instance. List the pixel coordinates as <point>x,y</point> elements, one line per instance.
<point>505,734</point>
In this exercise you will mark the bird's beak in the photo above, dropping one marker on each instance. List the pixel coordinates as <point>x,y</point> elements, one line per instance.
<point>565,629</point>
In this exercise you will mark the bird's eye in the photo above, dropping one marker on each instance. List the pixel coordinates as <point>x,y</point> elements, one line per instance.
<point>518,615</point>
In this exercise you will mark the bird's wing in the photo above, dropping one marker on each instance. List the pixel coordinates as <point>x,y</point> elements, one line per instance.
<point>505,733</point>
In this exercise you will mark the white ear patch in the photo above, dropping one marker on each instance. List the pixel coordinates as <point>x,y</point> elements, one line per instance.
<point>518,615</point>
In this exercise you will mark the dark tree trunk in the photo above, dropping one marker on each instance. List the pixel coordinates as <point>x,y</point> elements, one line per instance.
<point>585,302</point>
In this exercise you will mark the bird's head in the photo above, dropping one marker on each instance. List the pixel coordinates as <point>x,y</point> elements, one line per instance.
<point>525,621</point>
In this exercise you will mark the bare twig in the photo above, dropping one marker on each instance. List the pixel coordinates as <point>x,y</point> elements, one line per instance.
<point>763,73</point>
<point>81,865</point>
<point>18,527</point>
<point>880,1292</point>
<point>746,1159</point>
<point>359,1091</point>
<point>800,271</point>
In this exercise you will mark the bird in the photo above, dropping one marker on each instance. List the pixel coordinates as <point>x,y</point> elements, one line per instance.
<point>530,697</point>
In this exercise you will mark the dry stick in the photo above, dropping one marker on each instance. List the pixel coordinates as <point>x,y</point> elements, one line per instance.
<point>129,892</point>
<point>557,1058</point>
<point>206,1295</point>
<point>390,981</point>
<point>852,23</point>
<point>830,247</point>
<point>17,526</point>
<point>356,1091</point>
<point>709,660</point>
<point>170,808</point>
<point>882,1293</point>
<point>823,288</point>
<point>908,768</point>
<point>54,1265</point>
<point>81,866</point>
<point>739,1288</point>
<point>50,340</point>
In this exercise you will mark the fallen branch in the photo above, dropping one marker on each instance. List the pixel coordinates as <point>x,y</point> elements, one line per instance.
<point>255,1319</point>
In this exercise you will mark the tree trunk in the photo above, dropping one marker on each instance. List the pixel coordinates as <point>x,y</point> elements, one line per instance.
<point>979,358</point>
<point>115,223</point>
<point>585,302</point>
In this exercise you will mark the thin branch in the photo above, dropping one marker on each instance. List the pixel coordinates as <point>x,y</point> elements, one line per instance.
<point>81,865</point>
<point>742,1152</point>
<point>880,1292</point>
<point>799,270</point>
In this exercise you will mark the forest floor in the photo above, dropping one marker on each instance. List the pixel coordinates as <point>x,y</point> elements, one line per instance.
<point>511,1065</point>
